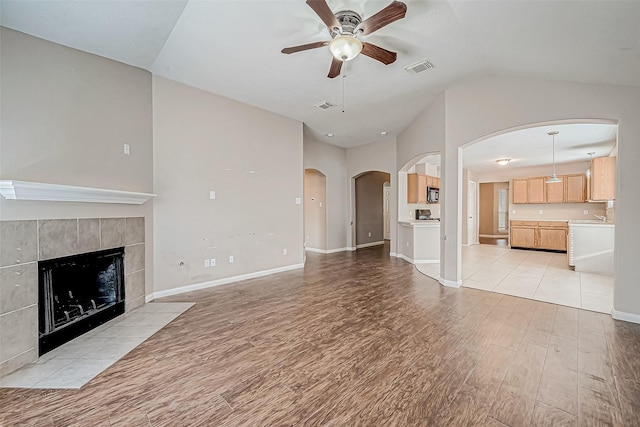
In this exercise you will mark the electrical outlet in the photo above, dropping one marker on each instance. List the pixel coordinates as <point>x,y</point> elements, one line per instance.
<point>540,211</point>
<point>206,263</point>
<point>284,251</point>
<point>230,258</point>
<point>369,234</point>
<point>127,149</point>
<point>298,200</point>
<point>513,212</point>
<point>586,212</point>
<point>212,195</point>
<point>212,262</point>
<point>407,244</point>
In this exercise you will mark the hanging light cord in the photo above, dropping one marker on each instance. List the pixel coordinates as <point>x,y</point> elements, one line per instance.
<point>344,76</point>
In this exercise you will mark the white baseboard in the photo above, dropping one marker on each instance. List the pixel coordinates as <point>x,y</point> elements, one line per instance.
<point>327,251</point>
<point>148,298</point>
<point>627,317</point>
<point>226,280</point>
<point>367,245</point>
<point>450,283</point>
<point>393,254</point>
<point>417,261</point>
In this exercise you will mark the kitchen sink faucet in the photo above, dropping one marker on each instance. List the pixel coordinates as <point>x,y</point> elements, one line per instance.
<point>601,218</point>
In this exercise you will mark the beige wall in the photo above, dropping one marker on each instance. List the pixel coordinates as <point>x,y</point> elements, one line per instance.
<point>369,207</point>
<point>251,158</point>
<point>65,117</point>
<point>315,209</point>
<point>332,162</point>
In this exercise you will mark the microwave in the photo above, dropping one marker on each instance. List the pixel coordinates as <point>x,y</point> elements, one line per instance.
<point>433,195</point>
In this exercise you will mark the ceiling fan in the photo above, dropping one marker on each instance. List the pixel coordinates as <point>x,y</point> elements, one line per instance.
<point>345,27</point>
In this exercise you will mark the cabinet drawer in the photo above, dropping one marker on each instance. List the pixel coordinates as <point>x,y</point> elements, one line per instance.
<point>553,224</point>
<point>524,223</point>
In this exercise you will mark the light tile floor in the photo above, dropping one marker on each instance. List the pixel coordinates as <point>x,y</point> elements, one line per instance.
<point>542,276</point>
<point>75,363</point>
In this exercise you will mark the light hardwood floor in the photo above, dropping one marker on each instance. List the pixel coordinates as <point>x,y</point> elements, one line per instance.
<point>358,339</point>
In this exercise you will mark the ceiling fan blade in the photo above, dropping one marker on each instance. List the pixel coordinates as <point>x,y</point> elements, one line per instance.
<point>379,54</point>
<point>336,66</point>
<point>321,8</point>
<point>294,49</point>
<point>396,10</point>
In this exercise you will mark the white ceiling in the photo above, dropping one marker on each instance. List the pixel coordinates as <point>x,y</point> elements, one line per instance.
<point>534,147</point>
<point>232,48</point>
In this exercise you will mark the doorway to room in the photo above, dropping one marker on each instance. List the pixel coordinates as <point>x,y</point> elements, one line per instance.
<point>370,191</point>
<point>493,213</point>
<point>315,211</point>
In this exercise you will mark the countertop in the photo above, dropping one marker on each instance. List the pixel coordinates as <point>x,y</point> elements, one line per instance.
<point>420,223</point>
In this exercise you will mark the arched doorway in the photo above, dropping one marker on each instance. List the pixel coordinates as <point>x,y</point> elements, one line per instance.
<point>315,211</point>
<point>369,208</point>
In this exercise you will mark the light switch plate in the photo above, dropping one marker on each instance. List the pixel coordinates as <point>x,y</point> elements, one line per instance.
<point>212,195</point>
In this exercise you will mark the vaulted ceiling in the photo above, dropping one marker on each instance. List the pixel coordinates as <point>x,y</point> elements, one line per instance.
<point>232,48</point>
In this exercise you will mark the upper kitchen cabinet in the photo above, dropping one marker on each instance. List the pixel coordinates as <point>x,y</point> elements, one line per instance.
<point>576,188</point>
<point>555,191</point>
<point>603,178</point>
<point>416,188</point>
<point>519,190</point>
<point>535,190</point>
<point>433,182</point>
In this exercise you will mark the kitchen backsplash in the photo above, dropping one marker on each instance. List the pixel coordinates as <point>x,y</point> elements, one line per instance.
<point>434,207</point>
<point>556,211</point>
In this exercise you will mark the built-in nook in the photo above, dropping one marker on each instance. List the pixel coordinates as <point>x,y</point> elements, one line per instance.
<point>78,293</point>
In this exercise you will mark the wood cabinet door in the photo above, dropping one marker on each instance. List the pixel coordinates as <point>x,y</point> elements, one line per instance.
<point>555,191</point>
<point>416,188</point>
<point>603,178</point>
<point>535,189</point>
<point>576,188</point>
<point>523,237</point>
<point>519,191</point>
<point>552,238</point>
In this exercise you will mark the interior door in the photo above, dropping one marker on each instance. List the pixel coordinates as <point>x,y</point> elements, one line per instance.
<point>472,208</point>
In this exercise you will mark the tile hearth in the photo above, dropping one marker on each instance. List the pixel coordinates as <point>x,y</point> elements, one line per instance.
<point>75,363</point>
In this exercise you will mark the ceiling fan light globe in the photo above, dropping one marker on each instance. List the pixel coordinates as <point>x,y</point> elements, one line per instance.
<point>345,47</point>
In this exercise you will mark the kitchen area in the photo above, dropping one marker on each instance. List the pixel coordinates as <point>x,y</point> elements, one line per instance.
<point>419,212</point>
<point>559,219</point>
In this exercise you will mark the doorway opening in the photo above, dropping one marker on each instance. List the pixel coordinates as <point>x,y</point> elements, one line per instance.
<point>370,217</point>
<point>493,213</point>
<point>551,253</point>
<point>315,211</point>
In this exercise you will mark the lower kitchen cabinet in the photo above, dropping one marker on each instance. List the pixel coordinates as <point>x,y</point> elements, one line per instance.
<point>550,235</point>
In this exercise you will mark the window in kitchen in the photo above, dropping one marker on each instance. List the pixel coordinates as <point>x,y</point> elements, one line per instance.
<point>502,209</point>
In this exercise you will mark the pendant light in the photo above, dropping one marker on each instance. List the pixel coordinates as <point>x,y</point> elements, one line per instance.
<point>554,178</point>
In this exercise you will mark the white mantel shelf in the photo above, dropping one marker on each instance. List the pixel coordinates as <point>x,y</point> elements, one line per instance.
<point>24,190</point>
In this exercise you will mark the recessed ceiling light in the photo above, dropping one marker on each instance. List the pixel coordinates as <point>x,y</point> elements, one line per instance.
<point>503,162</point>
<point>384,132</point>
<point>330,135</point>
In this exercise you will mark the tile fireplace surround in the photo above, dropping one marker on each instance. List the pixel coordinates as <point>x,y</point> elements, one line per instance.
<point>24,243</point>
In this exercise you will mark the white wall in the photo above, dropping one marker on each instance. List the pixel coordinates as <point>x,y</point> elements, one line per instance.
<point>332,162</point>
<point>251,158</point>
<point>483,107</point>
<point>378,156</point>
<point>65,117</point>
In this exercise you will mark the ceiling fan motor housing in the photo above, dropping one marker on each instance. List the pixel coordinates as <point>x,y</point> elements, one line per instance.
<point>348,20</point>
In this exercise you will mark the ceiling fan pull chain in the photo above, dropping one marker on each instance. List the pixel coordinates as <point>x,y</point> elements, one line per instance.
<point>344,76</point>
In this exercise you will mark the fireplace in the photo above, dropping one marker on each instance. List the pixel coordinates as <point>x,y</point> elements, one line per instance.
<point>78,293</point>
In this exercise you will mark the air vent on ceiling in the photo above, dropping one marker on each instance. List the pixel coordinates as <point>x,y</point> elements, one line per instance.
<point>419,66</point>
<point>324,105</point>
